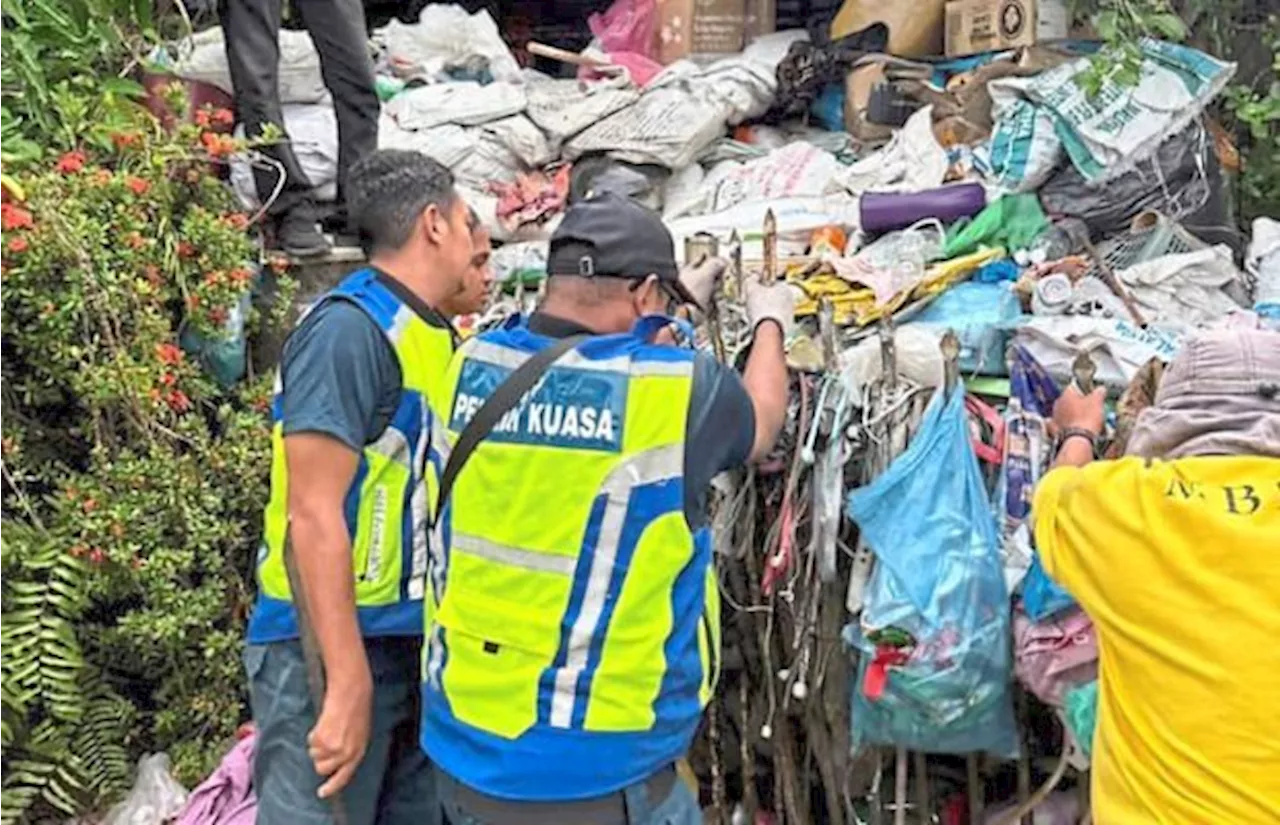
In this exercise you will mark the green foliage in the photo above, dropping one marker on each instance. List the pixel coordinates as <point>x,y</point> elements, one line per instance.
<point>1257,113</point>
<point>60,79</point>
<point>133,484</point>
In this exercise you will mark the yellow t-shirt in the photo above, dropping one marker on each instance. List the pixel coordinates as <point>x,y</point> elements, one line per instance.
<point>1178,564</point>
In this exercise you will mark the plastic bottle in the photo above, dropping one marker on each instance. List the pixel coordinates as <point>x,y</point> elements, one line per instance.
<point>1058,240</point>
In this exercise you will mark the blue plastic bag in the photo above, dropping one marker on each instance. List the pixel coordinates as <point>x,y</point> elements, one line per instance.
<point>982,314</point>
<point>935,664</point>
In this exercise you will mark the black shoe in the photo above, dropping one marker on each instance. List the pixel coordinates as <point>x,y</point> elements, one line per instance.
<point>298,235</point>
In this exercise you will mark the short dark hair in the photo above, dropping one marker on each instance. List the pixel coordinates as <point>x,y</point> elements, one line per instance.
<point>388,189</point>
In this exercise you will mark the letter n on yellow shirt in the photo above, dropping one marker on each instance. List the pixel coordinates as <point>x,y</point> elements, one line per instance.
<point>1178,564</point>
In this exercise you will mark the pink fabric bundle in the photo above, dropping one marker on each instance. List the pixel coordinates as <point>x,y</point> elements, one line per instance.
<point>1054,655</point>
<point>226,797</point>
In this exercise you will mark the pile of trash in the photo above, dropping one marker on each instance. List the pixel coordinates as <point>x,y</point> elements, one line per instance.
<point>969,235</point>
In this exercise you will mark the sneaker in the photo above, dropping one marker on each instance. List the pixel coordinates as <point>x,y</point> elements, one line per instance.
<point>299,236</point>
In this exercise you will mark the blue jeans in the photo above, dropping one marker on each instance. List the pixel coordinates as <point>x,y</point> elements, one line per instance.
<point>679,808</point>
<point>394,783</point>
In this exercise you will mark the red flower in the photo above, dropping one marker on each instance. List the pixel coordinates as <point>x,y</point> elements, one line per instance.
<point>137,185</point>
<point>70,162</point>
<point>186,250</point>
<point>178,401</point>
<point>17,245</point>
<point>218,315</point>
<point>237,220</point>
<point>124,140</point>
<point>240,275</point>
<point>168,354</point>
<point>218,145</point>
<point>168,379</point>
<point>203,119</point>
<point>15,217</point>
<point>213,278</point>
<point>78,550</point>
<point>134,240</point>
<point>89,505</point>
<point>223,117</point>
<point>102,177</point>
<point>193,301</point>
<point>97,556</point>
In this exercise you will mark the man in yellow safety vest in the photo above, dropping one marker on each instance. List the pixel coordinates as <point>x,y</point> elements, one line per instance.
<point>573,612</point>
<point>351,457</point>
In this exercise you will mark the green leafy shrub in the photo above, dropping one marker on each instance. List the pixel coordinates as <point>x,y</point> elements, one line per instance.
<point>133,484</point>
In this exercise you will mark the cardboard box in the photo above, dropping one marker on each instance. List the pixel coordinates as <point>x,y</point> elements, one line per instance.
<point>974,26</point>
<point>698,27</point>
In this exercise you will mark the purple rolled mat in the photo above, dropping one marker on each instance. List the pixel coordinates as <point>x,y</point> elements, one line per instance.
<point>886,211</point>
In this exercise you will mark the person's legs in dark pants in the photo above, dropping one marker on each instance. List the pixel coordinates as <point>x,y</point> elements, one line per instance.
<point>251,29</point>
<point>337,27</point>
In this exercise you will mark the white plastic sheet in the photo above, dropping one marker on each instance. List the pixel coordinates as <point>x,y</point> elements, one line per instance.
<point>1186,290</point>
<point>462,102</point>
<point>911,161</point>
<point>203,57</point>
<point>1118,347</point>
<point>156,796</point>
<point>313,134</point>
<point>1263,261</point>
<point>563,108</point>
<point>446,35</point>
<point>796,170</point>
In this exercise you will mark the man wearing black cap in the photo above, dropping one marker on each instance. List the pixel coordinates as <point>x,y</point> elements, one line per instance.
<point>573,620</point>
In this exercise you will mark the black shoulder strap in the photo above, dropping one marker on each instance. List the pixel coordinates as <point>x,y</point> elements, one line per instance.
<point>506,396</point>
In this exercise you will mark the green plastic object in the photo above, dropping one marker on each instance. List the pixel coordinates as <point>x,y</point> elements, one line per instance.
<point>1013,222</point>
<point>1081,704</point>
<point>387,87</point>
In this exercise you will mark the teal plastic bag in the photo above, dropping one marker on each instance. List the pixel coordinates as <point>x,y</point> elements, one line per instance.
<point>935,663</point>
<point>1081,704</point>
<point>225,357</point>
<point>1013,221</point>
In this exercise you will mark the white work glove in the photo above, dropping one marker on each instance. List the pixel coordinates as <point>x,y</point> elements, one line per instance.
<point>701,280</point>
<point>776,302</point>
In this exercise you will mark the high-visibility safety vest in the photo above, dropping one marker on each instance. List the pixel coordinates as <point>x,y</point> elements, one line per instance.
<point>387,506</point>
<point>573,618</point>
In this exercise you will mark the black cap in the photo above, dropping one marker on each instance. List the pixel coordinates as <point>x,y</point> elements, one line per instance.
<point>610,235</point>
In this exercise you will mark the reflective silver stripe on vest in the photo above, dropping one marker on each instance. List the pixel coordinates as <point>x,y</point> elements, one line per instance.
<point>514,556</point>
<point>651,466</point>
<point>418,508</point>
<point>403,317</point>
<point>393,444</point>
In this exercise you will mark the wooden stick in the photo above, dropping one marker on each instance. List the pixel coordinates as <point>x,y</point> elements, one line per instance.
<point>543,50</point>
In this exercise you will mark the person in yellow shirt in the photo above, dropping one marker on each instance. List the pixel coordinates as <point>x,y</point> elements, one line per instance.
<point>1174,552</point>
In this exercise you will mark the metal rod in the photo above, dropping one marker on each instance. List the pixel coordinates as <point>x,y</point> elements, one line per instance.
<point>977,794</point>
<point>770,271</point>
<point>1083,370</point>
<point>1114,283</point>
<point>900,787</point>
<point>950,346</point>
<point>921,767</point>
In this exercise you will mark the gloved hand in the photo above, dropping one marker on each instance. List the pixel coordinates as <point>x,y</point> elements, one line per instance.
<point>776,302</point>
<point>701,280</point>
